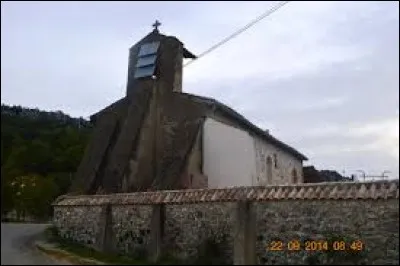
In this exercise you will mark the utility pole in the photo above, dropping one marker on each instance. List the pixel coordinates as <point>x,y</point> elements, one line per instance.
<point>385,172</point>
<point>382,176</point>
<point>363,173</point>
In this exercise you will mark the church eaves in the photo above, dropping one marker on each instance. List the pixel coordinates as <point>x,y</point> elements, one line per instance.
<point>245,123</point>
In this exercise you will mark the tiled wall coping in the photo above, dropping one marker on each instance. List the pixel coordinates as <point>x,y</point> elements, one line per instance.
<point>322,191</point>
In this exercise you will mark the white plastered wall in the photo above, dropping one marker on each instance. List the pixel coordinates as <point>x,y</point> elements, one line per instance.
<point>228,155</point>
<point>232,157</point>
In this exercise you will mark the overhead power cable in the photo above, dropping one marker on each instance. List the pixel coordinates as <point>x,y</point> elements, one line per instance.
<point>236,33</point>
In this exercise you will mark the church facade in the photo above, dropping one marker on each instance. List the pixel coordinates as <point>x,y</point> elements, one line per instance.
<point>158,137</point>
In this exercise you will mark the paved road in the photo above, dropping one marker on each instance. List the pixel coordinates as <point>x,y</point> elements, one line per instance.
<point>17,245</point>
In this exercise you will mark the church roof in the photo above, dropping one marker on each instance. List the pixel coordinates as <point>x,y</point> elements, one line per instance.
<point>123,102</point>
<point>245,123</point>
<point>225,110</point>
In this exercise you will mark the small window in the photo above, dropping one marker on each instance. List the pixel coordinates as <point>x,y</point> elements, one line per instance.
<point>294,176</point>
<point>275,160</point>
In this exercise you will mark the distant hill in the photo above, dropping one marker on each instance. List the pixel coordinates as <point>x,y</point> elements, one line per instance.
<point>44,146</point>
<point>57,117</point>
<point>19,124</point>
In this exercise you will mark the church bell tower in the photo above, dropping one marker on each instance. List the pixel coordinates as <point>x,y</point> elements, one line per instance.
<point>129,147</point>
<point>157,57</point>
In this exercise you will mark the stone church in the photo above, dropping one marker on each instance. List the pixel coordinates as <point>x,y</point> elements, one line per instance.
<point>158,137</point>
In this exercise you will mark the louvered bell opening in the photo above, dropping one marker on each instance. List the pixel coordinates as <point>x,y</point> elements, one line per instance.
<point>147,57</point>
<point>146,61</point>
<point>146,71</point>
<point>149,49</point>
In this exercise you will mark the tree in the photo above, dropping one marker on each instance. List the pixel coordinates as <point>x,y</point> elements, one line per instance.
<point>40,148</point>
<point>7,202</point>
<point>33,195</point>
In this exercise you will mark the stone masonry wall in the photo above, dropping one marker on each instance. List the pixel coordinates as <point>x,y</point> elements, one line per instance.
<point>80,224</point>
<point>131,227</point>
<point>374,223</point>
<point>188,226</point>
<point>349,213</point>
<point>282,171</point>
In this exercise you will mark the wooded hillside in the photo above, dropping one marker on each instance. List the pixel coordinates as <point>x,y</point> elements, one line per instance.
<point>40,151</point>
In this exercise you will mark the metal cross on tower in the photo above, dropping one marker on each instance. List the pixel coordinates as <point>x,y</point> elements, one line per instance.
<point>156,25</point>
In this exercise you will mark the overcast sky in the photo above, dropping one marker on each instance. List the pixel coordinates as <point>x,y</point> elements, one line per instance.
<point>322,76</point>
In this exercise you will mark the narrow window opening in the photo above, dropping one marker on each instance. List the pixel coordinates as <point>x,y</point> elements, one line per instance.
<point>269,170</point>
<point>294,176</point>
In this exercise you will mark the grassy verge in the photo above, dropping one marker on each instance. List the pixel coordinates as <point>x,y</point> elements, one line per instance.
<point>82,251</point>
<point>62,255</point>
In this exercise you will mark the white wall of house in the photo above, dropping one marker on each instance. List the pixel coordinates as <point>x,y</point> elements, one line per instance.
<point>228,155</point>
<point>232,157</point>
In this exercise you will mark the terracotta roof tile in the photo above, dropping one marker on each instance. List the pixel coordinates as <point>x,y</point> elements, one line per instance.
<point>334,191</point>
<point>393,189</point>
<point>373,192</point>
